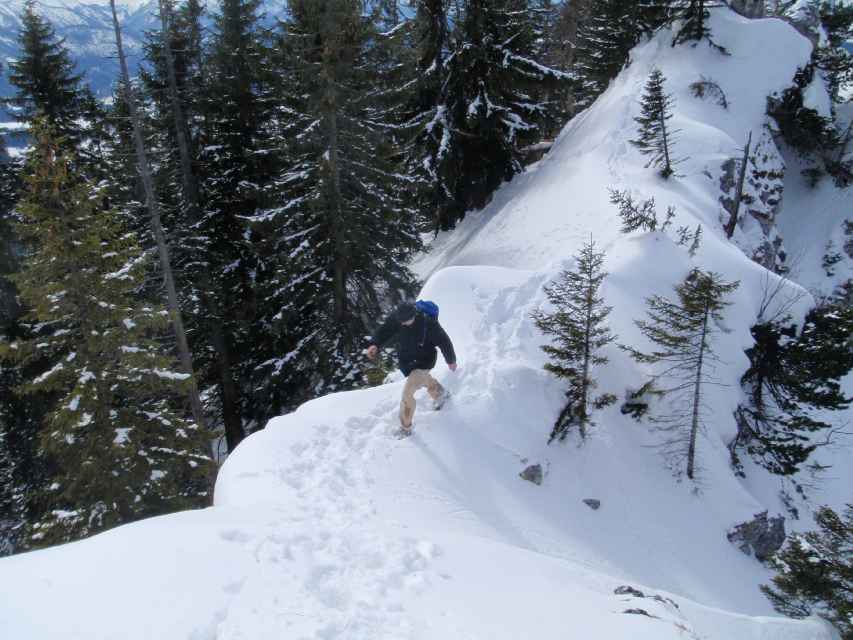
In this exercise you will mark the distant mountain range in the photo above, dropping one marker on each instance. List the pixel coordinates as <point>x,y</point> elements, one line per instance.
<point>88,32</point>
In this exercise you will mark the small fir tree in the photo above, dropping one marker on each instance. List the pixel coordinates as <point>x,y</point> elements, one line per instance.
<point>656,139</point>
<point>638,216</point>
<point>815,572</point>
<point>791,377</point>
<point>117,448</point>
<point>683,332</point>
<point>694,16</point>
<point>578,327</point>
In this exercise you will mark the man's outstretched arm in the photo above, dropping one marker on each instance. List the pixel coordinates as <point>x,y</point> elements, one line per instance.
<point>382,335</point>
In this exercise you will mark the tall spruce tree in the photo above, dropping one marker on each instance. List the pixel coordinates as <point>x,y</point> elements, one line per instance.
<point>605,40</point>
<point>793,377</point>
<point>496,94</point>
<point>117,447</point>
<point>237,161</point>
<point>815,572</point>
<point>656,138</point>
<point>432,151</point>
<point>44,78</point>
<point>345,217</point>
<point>19,465</point>
<point>683,332</point>
<point>578,327</point>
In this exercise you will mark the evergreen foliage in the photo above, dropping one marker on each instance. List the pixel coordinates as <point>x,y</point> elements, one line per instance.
<point>346,230</point>
<point>434,150</point>
<point>578,327</point>
<point>605,40</point>
<point>19,468</point>
<point>237,155</point>
<point>693,16</point>
<point>655,138</point>
<point>815,572</point>
<point>832,58</point>
<point>639,216</point>
<point>792,375</point>
<point>497,95</point>
<point>683,331</point>
<point>44,77</point>
<point>117,448</point>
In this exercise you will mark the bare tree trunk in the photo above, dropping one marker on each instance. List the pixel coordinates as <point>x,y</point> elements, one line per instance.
<point>667,169</point>
<point>180,122</point>
<point>333,189</point>
<point>229,393</point>
<point>162,247</point>
<point>697,400</point>
<point>586,357</point>
<point>730,227</point>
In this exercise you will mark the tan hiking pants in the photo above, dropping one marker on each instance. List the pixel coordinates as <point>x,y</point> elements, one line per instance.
<point>418,379</point>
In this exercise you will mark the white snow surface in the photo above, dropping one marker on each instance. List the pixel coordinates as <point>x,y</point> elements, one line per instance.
<point>325,526</point>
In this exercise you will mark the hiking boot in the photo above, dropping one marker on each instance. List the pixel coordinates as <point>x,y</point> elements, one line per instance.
<point>438,403</point>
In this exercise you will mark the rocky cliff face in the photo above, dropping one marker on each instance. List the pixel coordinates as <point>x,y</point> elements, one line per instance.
<point>749,8</point>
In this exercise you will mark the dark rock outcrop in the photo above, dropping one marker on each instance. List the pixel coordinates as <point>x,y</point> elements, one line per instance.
<point>533,474</point>
<point>592,503</point>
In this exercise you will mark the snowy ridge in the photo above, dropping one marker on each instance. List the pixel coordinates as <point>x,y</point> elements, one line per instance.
<point>326,526</point>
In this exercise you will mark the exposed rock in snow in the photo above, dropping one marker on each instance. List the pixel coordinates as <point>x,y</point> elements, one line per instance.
<point>592,503</point>
<point>533,474</point>
<point>626,590</point>
<point>749,8</point>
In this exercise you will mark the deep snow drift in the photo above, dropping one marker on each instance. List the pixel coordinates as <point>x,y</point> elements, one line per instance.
<point>325,526</point>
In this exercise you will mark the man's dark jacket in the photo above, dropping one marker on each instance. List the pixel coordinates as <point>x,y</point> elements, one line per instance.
<point>416,345</point>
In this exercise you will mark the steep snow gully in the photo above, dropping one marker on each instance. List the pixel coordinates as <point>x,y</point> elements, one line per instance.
<point>325,526</point>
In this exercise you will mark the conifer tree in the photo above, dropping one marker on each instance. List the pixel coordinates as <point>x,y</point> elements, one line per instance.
<point>496,95</point>
<point>237,160</point>
<point>117,447</point>
<point>683,333</point>
<point>693,16</point>
<point>432,151</point>
<point>815,572</point>
<point>832,57</point>
<point>20,471</point>
<point>655,138</point>
<point>578,326</point>
<point>605,40</point>
<point>792,376</point>
<point>345,217</point>
<point>44,77</point>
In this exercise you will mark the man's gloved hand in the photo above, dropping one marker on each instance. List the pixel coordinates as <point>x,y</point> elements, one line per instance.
<point>452,366</point>
<point>372,352</point>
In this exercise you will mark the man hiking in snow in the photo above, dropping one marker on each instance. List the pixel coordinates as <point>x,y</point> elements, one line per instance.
<point>418,335</point>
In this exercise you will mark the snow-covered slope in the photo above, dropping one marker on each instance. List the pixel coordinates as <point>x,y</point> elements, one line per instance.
<point>325,526</point>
